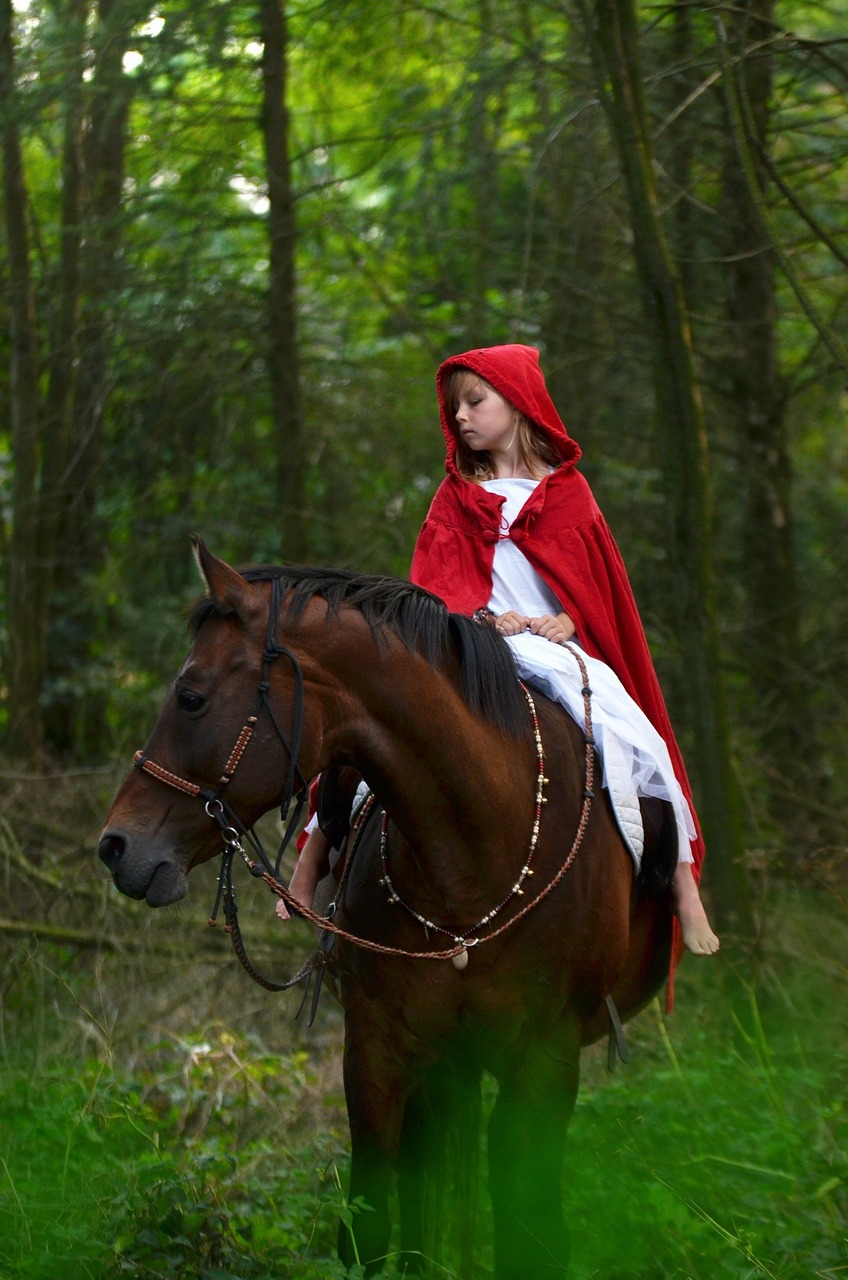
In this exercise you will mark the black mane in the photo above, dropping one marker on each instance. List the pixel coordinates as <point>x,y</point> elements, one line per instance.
<point>488,678</point>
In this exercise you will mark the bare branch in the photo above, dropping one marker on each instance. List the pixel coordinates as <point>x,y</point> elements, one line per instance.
<point>742,133</point>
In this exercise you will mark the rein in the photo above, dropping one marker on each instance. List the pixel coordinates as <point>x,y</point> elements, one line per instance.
<point>233,832</point>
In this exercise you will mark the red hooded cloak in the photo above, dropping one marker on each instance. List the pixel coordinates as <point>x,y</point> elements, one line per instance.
<point>562,533</point>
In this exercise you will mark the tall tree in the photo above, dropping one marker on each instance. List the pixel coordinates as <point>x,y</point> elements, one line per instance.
<point>26,635</point>
<point>283,351</point>
<point>615,40</point>
<point>63,355</point>
<point>96,143</point>
<point>774,650</point>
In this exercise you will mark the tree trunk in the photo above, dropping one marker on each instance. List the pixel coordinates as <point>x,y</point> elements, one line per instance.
<point>567,261</point>
<point>63,326</point>
<point>104,144</point>
<point>683,148</point>
<point>26,635</point>
<point>283,358</point>
<point>683,447</point>
<point>773,651</point>
<point>74,718</point>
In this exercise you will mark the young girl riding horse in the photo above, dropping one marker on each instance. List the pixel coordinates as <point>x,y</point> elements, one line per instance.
<point>515,537</point>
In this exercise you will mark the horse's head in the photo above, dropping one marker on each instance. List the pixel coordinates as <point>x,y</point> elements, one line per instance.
<point>372,663</point>
<point>158,827</point>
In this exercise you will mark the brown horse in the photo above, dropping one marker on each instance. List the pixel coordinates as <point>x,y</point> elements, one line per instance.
<point>376,674</point>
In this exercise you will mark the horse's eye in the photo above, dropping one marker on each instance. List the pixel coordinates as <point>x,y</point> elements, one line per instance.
<point>189,701</point>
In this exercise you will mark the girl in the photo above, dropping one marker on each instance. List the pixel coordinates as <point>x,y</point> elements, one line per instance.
<point>514,529</point>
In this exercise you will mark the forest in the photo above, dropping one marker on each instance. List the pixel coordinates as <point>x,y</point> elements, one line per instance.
<point>237,239</point>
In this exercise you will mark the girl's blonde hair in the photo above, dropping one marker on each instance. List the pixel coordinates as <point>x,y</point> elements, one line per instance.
<point>536,452</point>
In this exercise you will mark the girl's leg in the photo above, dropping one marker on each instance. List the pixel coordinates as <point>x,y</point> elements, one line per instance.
<point>697,933</point>
<point>311,866</point>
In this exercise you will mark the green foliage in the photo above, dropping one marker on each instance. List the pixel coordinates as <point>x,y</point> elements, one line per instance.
<point>718,1154</point>
<point>111,1176</point>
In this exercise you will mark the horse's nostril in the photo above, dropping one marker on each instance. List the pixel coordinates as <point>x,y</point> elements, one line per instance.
<point>110,849</point>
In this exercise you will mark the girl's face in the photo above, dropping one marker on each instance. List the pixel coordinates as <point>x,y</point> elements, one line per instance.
<point>483,418</point>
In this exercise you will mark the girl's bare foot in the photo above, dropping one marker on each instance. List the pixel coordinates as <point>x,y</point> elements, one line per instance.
<point>698,936</point>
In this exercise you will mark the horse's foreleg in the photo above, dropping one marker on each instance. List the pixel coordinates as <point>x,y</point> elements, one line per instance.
<point>376,1089</point>
<point>438,1164</point>
<point>413,1159</point>
<point>526,1150</point>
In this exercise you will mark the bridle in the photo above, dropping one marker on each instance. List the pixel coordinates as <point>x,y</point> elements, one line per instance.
<point>216,806</point>
<point>233,831</point>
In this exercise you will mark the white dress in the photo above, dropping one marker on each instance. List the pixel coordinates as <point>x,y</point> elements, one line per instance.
<point>626,740</point>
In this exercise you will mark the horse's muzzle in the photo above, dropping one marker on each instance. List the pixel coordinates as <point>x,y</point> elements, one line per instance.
<point>150,873</point>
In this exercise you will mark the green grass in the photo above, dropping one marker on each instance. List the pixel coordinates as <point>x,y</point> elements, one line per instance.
<point>718,1154</point>
<point>727,1162</point>
<point>722,1154</point>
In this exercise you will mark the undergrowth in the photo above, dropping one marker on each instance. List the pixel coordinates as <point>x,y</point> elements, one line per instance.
<point>163,1118</point>
<point>199,1165</point>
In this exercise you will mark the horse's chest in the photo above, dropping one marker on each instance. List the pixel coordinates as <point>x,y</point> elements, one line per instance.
<point>479,1012</point>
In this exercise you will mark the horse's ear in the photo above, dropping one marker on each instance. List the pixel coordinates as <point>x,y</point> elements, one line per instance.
<point>230,591</point>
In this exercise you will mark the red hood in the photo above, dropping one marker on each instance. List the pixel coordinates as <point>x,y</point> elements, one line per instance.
<point>513,370</point>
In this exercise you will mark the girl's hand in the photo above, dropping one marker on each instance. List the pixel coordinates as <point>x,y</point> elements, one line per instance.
<point>511,623</point>
<point>557,628</point>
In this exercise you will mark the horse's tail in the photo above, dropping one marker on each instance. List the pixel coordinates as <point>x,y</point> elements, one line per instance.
<point>439,1187</point>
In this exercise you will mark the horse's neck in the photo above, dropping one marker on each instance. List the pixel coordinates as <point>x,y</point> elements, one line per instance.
<point>429,759</point>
